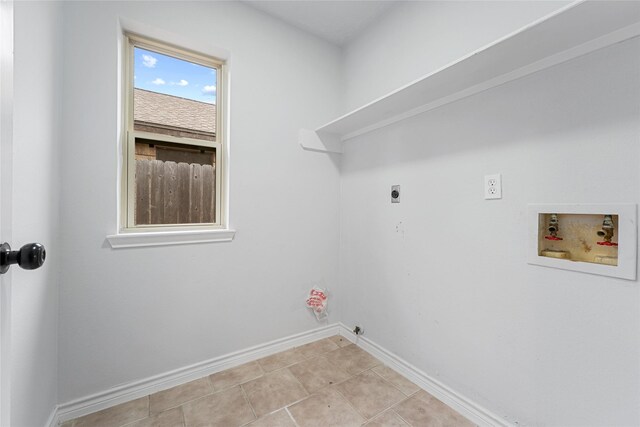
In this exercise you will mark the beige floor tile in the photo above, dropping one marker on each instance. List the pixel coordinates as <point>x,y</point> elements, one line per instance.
<point>387,419</point>
<point>67,424</point>
<point>117,415</point>
<point>178,395</point>
<point>273,391</point>
<point>403,384</point>
<point>318,373</point>
<point>238,375</point>
<point>352,359</point>
<point>280,360</point>
<point>340,341</point>
<point>224,408</point>
<point>171,418</point>
<point>369,393</point>
<point>317,348</point>
<point>325,408</point>
<point>263,388</point>
<point>422,409</point>
<point>277,419</point>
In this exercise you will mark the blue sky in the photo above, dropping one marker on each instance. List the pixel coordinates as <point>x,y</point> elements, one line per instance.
<point>165,74</point>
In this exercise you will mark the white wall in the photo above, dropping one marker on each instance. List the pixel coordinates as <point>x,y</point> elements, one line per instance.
<point>129,314</point>
<point>416,38</point>
<point>34,368</point>
<point>441,279</point>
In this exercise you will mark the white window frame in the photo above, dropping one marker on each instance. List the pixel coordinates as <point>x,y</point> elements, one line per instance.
<point>127,201</point>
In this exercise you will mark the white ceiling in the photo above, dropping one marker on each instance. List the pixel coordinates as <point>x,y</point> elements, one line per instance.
<point>334,21</point>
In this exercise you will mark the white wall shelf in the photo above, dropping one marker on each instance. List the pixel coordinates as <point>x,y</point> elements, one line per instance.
<point>575,30</point>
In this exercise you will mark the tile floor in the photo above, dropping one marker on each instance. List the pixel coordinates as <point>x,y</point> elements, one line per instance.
<point>330,382</point>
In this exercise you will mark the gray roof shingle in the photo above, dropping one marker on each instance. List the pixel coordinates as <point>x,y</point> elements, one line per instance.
<point>167,110</point>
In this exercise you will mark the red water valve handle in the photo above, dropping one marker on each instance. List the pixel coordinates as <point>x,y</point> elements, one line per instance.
<point>552,238</point>
<point>605,243</point>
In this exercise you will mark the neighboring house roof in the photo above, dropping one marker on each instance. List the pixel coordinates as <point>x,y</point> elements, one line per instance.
<point>154,108</point>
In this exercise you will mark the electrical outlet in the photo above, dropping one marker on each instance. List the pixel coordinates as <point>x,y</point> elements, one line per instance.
<point>493,186</point>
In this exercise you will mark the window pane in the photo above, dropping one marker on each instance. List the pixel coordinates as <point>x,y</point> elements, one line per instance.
<point>174,183</point>
<point>173,96</point>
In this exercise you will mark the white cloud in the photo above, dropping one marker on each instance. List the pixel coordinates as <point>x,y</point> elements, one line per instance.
<point>182,82</point>
<point>149,61</point>
<point>158,81</point>
<point>209,90</point>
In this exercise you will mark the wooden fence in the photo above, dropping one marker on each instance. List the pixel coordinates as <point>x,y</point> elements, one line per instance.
<point>174,193</point>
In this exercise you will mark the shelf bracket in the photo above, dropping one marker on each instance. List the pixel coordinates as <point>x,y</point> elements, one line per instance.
<point>320,141</point>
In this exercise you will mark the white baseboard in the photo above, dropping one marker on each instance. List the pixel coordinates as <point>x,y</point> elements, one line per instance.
<point>53,419</point>
<point>465,406</point>
<point>144,387</point>
<point>136,389</point>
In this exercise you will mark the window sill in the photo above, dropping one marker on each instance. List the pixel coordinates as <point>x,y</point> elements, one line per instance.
<point>165,238</point>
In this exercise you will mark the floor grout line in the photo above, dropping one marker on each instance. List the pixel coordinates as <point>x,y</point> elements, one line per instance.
<point>299,382</point>
<point>392,384</point>
<point>294,403</point>
<point>244,382</point>
<point>281,407</point>
<point>184,416</point>
<point>213,387</point>
<point>405,399</point>
<point>366,420</point>
<point>385,410</point>
<point>404,396</point>
<point>184,421</point>
<point>402,418</point>
<point>295,423</point>
<point>246,398</point>
<point>185,402</point>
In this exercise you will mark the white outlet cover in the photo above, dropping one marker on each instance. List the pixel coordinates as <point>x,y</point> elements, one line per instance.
<point>493,186</point>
